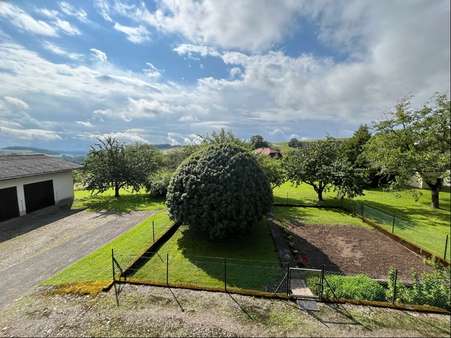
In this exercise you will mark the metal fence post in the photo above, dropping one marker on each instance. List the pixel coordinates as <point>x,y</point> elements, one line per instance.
<point>393,225</point>
<point>362,210</point>
<point>225,274</point>
<point>322,283</point>
<point>287,199</point>
<point>153,231</point>
<point>167,269</point>
<point>112,264</point>
<point>446,247</point>
<point>395,286</point>
<point>288,280</point>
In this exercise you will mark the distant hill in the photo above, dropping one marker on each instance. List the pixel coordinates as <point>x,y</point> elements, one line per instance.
<point>76,156</point>
<point>68,155</point>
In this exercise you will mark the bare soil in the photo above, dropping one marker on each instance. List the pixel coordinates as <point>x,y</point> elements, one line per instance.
<point>152,311</point>
<point>352,250</point>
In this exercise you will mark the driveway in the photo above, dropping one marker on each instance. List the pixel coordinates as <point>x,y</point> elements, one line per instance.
<point>36,246</point>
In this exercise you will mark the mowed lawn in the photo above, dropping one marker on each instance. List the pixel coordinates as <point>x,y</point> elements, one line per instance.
<point>128,201</point>
<point>311,215</point>
<point>130,244</point>
<point>415,220</point>
<point>249,262</point>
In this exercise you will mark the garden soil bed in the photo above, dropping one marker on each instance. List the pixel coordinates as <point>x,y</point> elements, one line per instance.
<point>352,250</point>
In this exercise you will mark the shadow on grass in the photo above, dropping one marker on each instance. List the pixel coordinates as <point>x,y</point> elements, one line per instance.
<point>123,204</point>
<point>242,261</point>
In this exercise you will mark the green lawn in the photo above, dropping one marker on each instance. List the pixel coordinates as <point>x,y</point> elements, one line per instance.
<point>97,265</point>
<point>415,220</point>
<point>251,261</point>
<point>128,201</point>
<point>316,216</point>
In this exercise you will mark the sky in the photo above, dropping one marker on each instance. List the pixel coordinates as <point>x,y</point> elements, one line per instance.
<point>171,70</point>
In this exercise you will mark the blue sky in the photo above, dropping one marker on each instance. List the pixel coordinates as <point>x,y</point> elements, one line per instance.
<point>167,71</point>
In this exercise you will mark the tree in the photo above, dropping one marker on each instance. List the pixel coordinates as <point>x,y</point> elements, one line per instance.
<point>111,164</point>
<point>321,165</point>
<point>219,190</point>
<point>257,141</point>
<point>272,168</point>
<point>294,143</point>
<point>354,146</point>
<point>413,141</point>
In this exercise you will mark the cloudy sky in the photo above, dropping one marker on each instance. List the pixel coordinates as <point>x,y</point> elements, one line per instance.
<point>166,71</point>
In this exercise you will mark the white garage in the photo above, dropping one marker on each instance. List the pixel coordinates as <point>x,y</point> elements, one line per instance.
<point>32,182</point>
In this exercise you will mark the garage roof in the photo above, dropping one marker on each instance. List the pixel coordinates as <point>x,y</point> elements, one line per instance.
<point>17,166</point>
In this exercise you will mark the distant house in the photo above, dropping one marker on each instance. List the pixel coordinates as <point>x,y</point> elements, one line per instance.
<point>416,181</point>
<point>33,182</point>
<point>269,152</point>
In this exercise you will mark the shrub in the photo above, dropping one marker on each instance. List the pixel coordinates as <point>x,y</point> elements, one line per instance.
<point>219,190</point>
<point>432,288</point>
<point>157,183</point>
<point>360,287</point>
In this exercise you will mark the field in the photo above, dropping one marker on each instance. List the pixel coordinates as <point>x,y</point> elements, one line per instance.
<point>128,201</point>
<point>251,262</point>
<point>415,220</point>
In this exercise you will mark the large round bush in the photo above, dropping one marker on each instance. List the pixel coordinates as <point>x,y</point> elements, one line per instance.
<point>220,191</point>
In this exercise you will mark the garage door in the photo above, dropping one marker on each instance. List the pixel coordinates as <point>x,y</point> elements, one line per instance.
<point>38,195</point>
<point>9,207</point>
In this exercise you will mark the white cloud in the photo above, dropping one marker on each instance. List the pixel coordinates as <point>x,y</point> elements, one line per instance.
<point>66,27</point>
<point>85,124</point>
<point>70,10</point>
<point>15,103</point>
<point>136,35</point>
<point>60,51</point>
<point>104,9</point>
<point>247,25</point>
<point>128,136</point>
<point>30,134</point>
<point>24,21</point>
<point>98,55</point>
<point>50,13</point>
<point>152,71</point>
<point>188,49</point>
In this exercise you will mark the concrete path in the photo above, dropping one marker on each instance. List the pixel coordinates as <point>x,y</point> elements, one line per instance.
<point>34,247</point>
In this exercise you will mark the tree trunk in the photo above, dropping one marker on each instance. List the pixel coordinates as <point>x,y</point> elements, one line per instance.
<point>435,192</point>
<point>116,190</point>
<point>320,194</point>
<point>435,197</point>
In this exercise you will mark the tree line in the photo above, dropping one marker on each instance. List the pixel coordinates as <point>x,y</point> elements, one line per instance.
<point>406,142</point>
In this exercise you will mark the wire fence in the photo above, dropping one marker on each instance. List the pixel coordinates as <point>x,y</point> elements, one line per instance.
<point>436,243</point>
<point>219,273</point>
<point>401,227</point>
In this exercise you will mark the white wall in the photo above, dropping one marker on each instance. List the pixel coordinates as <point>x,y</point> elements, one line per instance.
<point>63,187</point>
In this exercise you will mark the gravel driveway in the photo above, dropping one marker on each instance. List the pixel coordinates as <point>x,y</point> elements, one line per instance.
<point>34,247</point>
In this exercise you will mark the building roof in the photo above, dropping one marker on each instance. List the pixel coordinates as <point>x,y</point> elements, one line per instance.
<point>17,166</point>
<point>266,151</point>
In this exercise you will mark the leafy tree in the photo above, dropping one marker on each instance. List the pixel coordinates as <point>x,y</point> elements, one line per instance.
<point>219,190</point>
<point>354,146</point>
<point>257,141</point>
<point>272,168</point>
<point>413,141</point>
<point>321,165</point>
<point>158,182</point>
<point>294,143</point>
<point>111,164</point>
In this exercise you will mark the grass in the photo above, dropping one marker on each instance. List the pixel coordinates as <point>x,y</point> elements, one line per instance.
<point>316,216</point>
<point>97,265</point>
<point>128,201</point>
<point>251,261</point>
<point>415,220</point>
